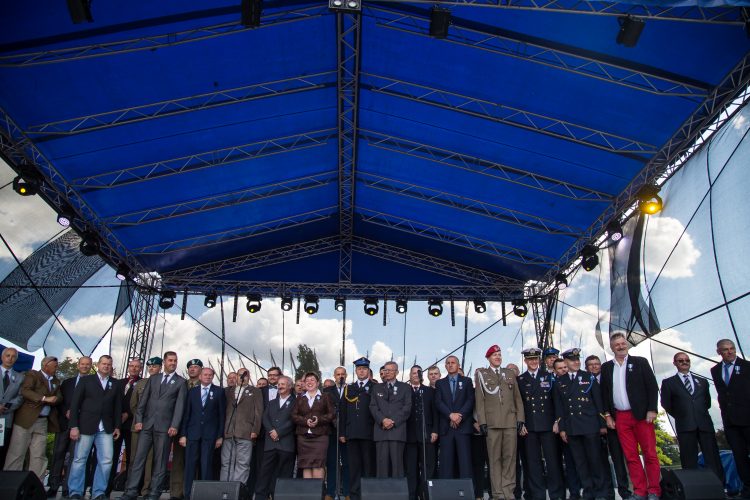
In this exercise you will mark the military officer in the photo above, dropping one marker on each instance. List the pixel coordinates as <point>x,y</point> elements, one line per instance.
<point>357,426</point>
<point>500,413</point>
<point>550,355</point>
<point>176,477</point>
<point>556,367</point>
<point>535,386</point>
<point>578,403</point>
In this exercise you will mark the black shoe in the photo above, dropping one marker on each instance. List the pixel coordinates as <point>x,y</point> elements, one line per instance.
<point>52,492</point>
<point>75,497</point>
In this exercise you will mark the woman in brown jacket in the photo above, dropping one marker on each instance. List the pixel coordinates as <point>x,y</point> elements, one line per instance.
<point>313,413</point>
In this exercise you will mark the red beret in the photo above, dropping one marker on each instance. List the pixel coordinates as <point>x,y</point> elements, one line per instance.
<point>492,350</point>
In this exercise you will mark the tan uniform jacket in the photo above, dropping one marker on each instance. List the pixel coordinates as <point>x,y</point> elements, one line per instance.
<point>33,389</point>
<point>248,416</point>
<point>498,403</point>
<point>140,386</point>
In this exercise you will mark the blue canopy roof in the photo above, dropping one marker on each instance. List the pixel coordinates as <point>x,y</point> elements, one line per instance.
<point>352,153</point>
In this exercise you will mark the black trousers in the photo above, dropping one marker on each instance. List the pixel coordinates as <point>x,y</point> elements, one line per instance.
<point>125,438</point>
<point>256,461</point>
<point>540,445</point>
<point>689,442</point>
<point>59,450</point>
<point>479,476</point>
<point>276,464</point>
<point>586,451</point>
<point>611,446</point>
<point>361,455</point>
<point>4,449</point>
<point>415,467</point>
<point>739,440</point>
<point>570,474</point>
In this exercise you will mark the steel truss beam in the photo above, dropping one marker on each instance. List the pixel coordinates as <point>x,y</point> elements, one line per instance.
<point>447,236</point>
<point>348,30</point>
<point>470,205</point>
<point>206,159</point>
<point>142,325</point>
<point>542,308</point>
<point>180,105</point>
<point>540,51</point>
<point>156,42</point>
<point>499,171</point>
<point>292,221</point>
<point>247,195</point>
<point>507,115</point>
<point>713,15</point>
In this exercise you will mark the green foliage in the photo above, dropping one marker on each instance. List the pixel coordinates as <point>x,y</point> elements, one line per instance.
<point>67,368</point>
<point>307,361</point>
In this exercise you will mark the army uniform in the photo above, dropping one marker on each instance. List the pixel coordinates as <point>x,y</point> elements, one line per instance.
<point>499,409</point>
<point>177,475</point>
<point>357,426</point>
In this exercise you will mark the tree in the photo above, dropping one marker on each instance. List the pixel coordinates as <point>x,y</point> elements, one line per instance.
<point>308,361</point>
<point>67,368</point>
<point>666,448</point>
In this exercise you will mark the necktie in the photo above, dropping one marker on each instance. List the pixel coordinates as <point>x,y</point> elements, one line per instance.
<point>164,380</point>
<point>497,370</point>
<point>453,387</point>
<point>204,396</point>
<point>533,376</point>
<point>726,373</point>
<point>6,380</point>
<point>361,385</point>
<point>688,385</point>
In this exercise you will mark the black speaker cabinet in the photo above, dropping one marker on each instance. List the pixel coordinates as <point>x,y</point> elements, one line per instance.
<point>219,490</point>
<point>690,484</point>
<point>450,489</point>
<point>385,489</point>
<point>21,485</point>
<point>291,489</point>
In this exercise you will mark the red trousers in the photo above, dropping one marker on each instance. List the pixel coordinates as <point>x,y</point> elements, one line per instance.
<point>632,433</point>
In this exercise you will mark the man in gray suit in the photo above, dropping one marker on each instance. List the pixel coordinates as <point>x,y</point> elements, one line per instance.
<point>390,405</point>
<point>157,419</point>
<point>10,396</point>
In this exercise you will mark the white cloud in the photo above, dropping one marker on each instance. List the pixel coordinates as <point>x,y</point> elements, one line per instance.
<point>661,237</point>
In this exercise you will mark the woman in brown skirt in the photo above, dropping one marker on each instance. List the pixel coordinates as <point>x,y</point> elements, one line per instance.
<point>313,413</point>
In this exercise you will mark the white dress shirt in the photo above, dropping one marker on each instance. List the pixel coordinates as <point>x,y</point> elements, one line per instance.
<point>619,389</point>
<point>46,408</point>
<point>103,382</point>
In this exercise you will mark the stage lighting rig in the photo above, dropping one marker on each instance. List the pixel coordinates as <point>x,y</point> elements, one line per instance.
<point>614,231</point>
<point>123,272</point>
<point>440,21</point>
<point>286,303</point>
<point>589,257</point>
<point>371,306</point>
<point>561,281</point>
<point>27,185</point>
<point>479,306</point>
<point>253,303</point>
<point>210,300</point>
<point>311,304</point>
<point>351,6</point>
<point>630,30</point>
<point>166,298</point>
<point>435,307</point>
<point>520,308</point>
<point>650,201</point>
<point>401,306</point>
<point>89,245</point>
<point>340,305</point>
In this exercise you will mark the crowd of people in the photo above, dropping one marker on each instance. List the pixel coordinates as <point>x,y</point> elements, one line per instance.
<point>549,431</point>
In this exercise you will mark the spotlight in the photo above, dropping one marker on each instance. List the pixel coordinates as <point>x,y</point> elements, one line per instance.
<point>519,308</point>
<point>123,272</point>
<point>311,304</point>
<point>80,11</point>
<point>590,259</point>
<point>561,281</point>
<point>210,300</point>
<point>253,303</point>
<point>435,307</point>
<point>340,305</point>
<point>166,298</point>
<point>650,201</point>
<point>251,10</point>
<point>614,231</point>
<point>371,306</point>
<point>286,303</point>
<point>26,186</point>
<point>345,5</point>
<point>630,30</point>
<point>89,245</point>
<point>440,21</point>
<point>401,306</point>
<point>479,306</point>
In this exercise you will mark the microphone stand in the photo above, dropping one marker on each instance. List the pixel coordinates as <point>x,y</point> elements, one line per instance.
<point>233,454</point>
<point>339,469</point>
<point>424,439</point>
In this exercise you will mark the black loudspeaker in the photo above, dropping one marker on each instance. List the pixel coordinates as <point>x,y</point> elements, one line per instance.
<point>385,489</point>
<point>450,489</point>
<point>219,490</point>
<point>21,485</point>
<point>290,489</point>
<point>690,484</point>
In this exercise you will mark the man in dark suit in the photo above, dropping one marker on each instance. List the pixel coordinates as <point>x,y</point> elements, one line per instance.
<point>732,380</point>
<point>390,405</point>
<point>127,386</point>
<point>202,428</point>
<point>278,455</point>
<point>687,399</point>
<point>357,426</point>
<point>337,452</point>
<point>630,393</point>
<point>454,401</point>
<point>268,393</point>
<point>10,395</point>
<point>420,443</point>
<point>157,419</point>
<point>95,417</point>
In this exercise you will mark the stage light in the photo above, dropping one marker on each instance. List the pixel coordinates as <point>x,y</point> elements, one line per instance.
<point>210,300</point>
<point>590,259</point>
<point>253,303</point>
<point>123,272</point>
<point>371,306</point>
<point>561,281</point>
<point>479,306</point>
<point>340,305</point>
<point>80,11</point>
<point>614,231</point>
<point>27,186</point>
<point>311,304</point>
<point>251,10</point>
<point>519,308</point>
<point>64,218</point>
<point>650,201</point>
<point>89,245</point>
<point>286,303</point>
<point>401,306</point>
<point>166,298</point>
<point>630,30</point>
<point>440,21</point>
<point>345,5</point>
<point>435,307</point>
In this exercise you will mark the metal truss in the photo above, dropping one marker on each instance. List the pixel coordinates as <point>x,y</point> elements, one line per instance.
<point>519,176</point>
<point>205,159</point>
<point>712,15</point>
<point>447,236</point>
<point>554,55</point>
<point>180,105</point>
<point>247,195</point>
<point>142,325</point>
<point>239,233</point>
<point>348,30</point>
<point>507,115</point>
<point>155,42</point>
<point>470,205</point>
<point>542,308</point>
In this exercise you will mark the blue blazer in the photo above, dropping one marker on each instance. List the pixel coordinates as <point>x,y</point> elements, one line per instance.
<point>199,422</point>
<point>463,404</point>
